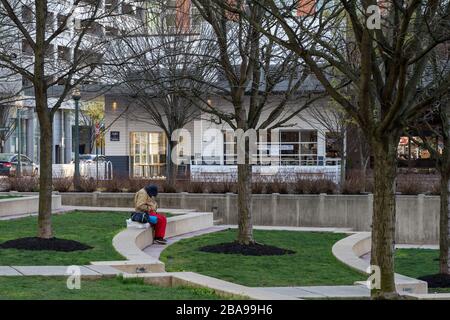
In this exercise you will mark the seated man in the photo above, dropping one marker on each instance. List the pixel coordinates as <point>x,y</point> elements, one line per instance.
<point>144,201</point>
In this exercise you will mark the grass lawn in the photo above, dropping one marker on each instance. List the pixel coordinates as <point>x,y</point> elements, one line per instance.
<point>45,288</point>
<point>95,229</point>
<point>312,264</point>
<point>418,262</point>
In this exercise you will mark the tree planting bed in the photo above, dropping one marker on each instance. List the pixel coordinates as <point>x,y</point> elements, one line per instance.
<point>82,237</point>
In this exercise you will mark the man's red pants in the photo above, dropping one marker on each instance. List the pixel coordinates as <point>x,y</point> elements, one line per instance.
<point>160,226</point>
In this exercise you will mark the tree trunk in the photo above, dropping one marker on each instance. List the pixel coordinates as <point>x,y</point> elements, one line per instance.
<point>170,165</point>
<point>383,219</point>
<point>444,224</point>
<point>245,229</point>
<point>45,179</point>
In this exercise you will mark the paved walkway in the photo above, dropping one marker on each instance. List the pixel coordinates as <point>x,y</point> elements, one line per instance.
<point>322,292</point>
<point>62,271</point>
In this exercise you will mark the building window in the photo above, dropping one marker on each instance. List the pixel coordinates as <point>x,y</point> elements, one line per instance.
<point>64,53</point>
<point>148,154</point>
<point>332,145</point>
<point>308,147</point>
<point>111,6</point>
<point>293,148</point>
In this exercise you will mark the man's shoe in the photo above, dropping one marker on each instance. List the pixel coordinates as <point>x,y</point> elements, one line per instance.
<point>160,241</point>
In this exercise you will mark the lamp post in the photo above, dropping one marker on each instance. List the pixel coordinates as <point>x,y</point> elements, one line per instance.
<point>76,96</point>
<point>19,144</point>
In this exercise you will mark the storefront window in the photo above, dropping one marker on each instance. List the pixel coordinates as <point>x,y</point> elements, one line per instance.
<point>332,141</point>
<point>148,154</point>
<point>294,147</point>
<point>408,149</point>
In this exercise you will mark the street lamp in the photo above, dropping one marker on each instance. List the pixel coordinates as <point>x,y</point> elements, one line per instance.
<point>76,96</point>
<point>19,143</point>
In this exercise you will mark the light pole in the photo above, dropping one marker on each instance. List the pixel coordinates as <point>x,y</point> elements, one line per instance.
<point>19,144</point>
<point>76,96</point>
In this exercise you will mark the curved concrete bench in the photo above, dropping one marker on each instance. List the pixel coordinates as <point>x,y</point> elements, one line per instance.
<point>131,241</point>
<point>349,251</point>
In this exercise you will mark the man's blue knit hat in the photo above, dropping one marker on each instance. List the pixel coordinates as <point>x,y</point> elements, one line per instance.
<point>152,190</point>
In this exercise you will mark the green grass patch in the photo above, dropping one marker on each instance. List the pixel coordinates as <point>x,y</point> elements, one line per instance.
<point>95,229</point>
<point>312,264</point>
<point>416,263</point>
<point>46,288</point>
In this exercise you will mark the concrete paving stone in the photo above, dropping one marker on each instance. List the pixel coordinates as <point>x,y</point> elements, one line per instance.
<point>417,246</point>
<point>293,292</point>
<point>53,271</point>
<point>286,228</point>
<point>104,270</point>
<point>339,291</point>
<point>8,271</point>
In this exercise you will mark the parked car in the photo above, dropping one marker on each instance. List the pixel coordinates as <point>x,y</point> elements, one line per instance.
<point>9,162</point>
<point>91,158</point>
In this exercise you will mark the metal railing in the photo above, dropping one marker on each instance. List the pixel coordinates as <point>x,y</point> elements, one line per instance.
<point>102,171</point>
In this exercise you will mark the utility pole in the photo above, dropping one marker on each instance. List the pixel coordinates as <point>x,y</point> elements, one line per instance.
<point>76,96</point>
<point>19,144</point>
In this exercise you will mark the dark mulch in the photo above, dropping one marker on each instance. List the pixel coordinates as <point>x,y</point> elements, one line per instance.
<point>38,244</point>
<point>256,249</point>
<point>437,280</point>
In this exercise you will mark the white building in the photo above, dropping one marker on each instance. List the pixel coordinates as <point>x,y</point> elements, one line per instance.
<point>60,55</point>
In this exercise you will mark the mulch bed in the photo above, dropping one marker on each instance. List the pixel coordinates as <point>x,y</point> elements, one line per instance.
<point>38,244</point>
<point>437,280</point>
<point>256,249</point>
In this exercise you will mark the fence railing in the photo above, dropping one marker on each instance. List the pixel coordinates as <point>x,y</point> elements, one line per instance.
<point>101,171</point>
<point>281,172</point>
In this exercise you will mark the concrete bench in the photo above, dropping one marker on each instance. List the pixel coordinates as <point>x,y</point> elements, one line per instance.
<point>131,241</point>
<point>350,250</point>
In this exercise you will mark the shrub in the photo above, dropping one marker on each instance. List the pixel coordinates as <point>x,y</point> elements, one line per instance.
<point>355,183</point>
<point>116,184</point>
<point>195,187</point>
<point>300,186</point>
<point>314,186</point>
<point>136,184</point>
<point>322,186</point>
<point>62,184</point>
<point>4,184</point>
<point>258,186</point>
<point>410,185</point>
<point>436,188</point>
<point>225,185</point>
<point>88,185</point>
<point>167,187</point>
<point>24,184</point>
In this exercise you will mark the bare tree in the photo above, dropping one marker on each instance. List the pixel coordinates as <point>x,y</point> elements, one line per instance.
<point>57,46</point>
<point>432,133</point>
<point>7,126</point>
<point>254,69</point>
<point>169,69</point>
<point>333,123</point>
<point>385,63</point>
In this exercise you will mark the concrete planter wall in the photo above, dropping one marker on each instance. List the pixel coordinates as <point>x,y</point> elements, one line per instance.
<point>25,205</point>
<point>417,216</point>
